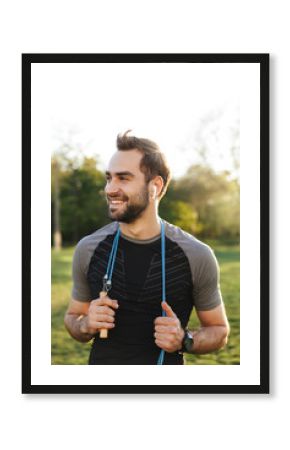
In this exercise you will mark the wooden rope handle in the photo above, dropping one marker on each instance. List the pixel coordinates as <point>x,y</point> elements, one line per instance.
<point>103,331</point>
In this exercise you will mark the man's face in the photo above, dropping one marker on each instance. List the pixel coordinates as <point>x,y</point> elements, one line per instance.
<point>126,189</point>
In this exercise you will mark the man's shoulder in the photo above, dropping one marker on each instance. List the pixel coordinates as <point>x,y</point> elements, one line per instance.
<point>187,241</point>
<point>92,240</point>
<point>201,258</point>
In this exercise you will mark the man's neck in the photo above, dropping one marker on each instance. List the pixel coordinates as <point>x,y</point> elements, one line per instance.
<point>143,228</point>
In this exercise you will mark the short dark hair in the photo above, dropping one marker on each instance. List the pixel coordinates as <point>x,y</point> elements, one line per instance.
<point>153,162</point>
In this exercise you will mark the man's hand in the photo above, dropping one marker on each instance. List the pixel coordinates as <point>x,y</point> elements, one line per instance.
<point>100,315</point>
<point>168,331</point>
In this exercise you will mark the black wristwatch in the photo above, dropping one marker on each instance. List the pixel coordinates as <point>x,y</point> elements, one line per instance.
<point>187,342</point>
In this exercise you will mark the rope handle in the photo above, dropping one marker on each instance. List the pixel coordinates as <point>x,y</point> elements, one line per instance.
<point>103,331</point>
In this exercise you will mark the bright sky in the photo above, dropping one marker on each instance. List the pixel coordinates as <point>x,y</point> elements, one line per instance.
<point>163,102</point>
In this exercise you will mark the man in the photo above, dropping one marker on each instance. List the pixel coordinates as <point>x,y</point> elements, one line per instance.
<point>137,179</point>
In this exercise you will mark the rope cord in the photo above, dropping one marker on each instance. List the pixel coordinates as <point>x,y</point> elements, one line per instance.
<point>107,280</point>
<point>162,352</point>
<point>112,259</point>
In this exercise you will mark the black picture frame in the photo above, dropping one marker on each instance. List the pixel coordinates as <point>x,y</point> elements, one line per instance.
<point>263,61</point>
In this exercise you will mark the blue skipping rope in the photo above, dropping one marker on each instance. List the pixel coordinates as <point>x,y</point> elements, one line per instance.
<point>162,353</point>
<point>107,281</point>
<point>110,268</point>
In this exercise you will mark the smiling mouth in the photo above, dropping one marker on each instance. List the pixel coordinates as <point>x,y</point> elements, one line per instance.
<point>116,202</point>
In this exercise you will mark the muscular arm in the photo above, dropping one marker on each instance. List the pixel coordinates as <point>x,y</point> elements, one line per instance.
<point>214,330</point>
<point>75,320</point>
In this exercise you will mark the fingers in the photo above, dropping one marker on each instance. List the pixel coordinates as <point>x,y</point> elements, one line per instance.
<point>96,311</point>
<point>167,308</point>
<point>104,310</point>
<point>167,343</point>
<point>160,329</point>
<point>168,331</point>
<point>97,320</point>
<point>101,313</point>
<point>166,335</point>
<point>166,321</point>
<point>170,317</point>
<point>101,325</point>
<point>105,300</point>
<point>105,318</point>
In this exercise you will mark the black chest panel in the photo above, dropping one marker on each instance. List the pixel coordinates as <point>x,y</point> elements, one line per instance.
<point>137,285</point>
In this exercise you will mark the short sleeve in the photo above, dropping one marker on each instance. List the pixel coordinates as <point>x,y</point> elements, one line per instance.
<point>80,290</point>
<point>206,289</point>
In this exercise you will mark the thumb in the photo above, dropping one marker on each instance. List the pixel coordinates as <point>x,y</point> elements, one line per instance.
<point>169,311</point>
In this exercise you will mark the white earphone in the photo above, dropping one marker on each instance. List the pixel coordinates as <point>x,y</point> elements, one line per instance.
<point>153,191</point>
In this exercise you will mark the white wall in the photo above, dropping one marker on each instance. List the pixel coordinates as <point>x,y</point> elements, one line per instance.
<point>60,421</point>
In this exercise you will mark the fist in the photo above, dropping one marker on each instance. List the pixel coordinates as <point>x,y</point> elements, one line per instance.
<point>168,331</point>
<point>101,315</point>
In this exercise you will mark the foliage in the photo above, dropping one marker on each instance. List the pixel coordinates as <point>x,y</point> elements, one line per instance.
<point>181,214</point>
<point>82,200</point>
<point>215,199</point>
<point>66,350</point>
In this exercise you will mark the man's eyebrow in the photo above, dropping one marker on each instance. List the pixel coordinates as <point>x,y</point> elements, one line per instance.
<point>124,173</point>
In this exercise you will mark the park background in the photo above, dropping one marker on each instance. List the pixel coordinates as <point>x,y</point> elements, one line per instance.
<point>198,129</point>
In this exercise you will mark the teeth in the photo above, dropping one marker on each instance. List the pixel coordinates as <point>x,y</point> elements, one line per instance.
<point>116,202</point>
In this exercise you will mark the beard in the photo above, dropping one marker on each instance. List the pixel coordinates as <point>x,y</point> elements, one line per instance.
<point>132,209</point>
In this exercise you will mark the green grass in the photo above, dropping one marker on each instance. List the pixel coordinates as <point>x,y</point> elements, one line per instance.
<point>229,261</point>
<point>66,350</point>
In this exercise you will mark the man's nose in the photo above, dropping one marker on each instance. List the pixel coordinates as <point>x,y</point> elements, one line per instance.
<point>111,187</point>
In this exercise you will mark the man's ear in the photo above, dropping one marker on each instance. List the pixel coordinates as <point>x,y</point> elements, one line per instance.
<point>153,191</point>
<point>156,186</point>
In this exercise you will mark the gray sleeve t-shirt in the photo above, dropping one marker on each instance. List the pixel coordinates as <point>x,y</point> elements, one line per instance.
<point>191,267</point>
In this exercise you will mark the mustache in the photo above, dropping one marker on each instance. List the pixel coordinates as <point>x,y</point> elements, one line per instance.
<point>117,197</point>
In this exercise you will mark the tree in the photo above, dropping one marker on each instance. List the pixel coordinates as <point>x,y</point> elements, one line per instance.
<point>55,176</point>
<point>82,199</point>
<point>204,203</point>
<point>178,212</point>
